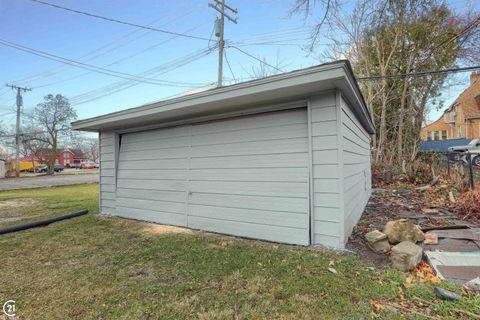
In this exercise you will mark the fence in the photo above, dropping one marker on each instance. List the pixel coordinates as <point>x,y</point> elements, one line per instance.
<point>463,160</point>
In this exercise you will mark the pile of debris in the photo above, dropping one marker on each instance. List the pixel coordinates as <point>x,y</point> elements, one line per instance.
<point>453,252</point>
<point>399,237</point>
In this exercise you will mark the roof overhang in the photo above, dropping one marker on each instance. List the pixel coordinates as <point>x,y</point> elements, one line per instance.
<point>284,87</point>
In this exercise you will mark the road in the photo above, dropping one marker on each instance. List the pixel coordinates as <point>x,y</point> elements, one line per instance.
<point>46,181</point>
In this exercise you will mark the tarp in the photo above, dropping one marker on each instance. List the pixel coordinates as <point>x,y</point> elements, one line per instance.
<point>442,145</point>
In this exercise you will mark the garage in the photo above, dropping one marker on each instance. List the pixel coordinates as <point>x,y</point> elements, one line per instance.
<point>285,158</point>
<point>245,176</point>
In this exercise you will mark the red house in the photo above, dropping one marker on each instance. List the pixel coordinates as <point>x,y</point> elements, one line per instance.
<point>70,157</point>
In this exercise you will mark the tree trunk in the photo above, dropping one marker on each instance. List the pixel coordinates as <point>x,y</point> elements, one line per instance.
<point>53,158</point>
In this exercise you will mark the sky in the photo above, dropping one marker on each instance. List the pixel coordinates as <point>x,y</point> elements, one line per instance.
<point>265,29</point>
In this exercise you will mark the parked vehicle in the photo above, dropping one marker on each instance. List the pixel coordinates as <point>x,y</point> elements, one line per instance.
<point>58,168</point>
<point>87,165</point>
<point>41,169</point>
<point>474,145</point>
<point>458,152</point>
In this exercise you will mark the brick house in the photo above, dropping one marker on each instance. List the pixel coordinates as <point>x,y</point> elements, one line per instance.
<point>70,157</point>
<point>461,119</point>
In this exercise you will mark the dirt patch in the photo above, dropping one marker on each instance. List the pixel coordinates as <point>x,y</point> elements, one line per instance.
<point>151,228</point>
<point>14,209</point>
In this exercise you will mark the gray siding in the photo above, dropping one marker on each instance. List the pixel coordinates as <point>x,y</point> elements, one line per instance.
<point>271,176</point>
<point>152,175</point>
<point>246,176</point>
<point>108,141</point>
<point>327,182</point>
<point>249,177</point>
<point>356,168</point>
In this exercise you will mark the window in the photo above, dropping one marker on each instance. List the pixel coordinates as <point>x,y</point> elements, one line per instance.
<point>429,135</point>
<point>444,135</point>
<point>436,135</point>
<point>66,155</point>
<point>459,132</point>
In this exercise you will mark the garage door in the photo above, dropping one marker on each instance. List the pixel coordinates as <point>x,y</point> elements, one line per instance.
<point>245,176</point>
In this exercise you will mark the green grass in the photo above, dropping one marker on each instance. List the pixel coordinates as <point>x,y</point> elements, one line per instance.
<point>98,268</point>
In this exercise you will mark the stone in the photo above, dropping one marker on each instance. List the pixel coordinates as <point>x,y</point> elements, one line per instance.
<point>406,256</point>
<point>446,294</point>
<point>473,285</point>
<point>377,241</point>
<point>402,230</point>
<point>431,238</point>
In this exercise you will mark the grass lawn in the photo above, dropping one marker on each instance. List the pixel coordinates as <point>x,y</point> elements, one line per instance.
<point>101,268</point>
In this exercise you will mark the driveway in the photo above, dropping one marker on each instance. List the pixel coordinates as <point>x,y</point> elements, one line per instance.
<point>46,181</point>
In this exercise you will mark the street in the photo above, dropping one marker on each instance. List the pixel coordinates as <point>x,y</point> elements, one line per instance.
<point>46,181</point>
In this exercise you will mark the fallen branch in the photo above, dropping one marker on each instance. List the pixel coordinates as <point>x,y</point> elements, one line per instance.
<point>476,316</point>
<point>413,311</point>
<point>428,186</point>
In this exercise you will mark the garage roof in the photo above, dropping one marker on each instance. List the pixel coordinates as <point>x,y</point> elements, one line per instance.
<point>291,86</point>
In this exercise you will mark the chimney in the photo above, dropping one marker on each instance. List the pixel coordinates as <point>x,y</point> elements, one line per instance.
<point>474,76</point>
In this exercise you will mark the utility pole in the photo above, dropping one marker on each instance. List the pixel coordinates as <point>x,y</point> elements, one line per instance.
<point>17,131</point>
<point>220,6</point>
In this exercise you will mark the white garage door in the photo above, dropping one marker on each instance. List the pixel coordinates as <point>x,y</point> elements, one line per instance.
<point>245,176</point>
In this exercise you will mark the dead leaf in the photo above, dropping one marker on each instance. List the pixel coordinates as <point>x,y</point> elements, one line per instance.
<point>377,305</point>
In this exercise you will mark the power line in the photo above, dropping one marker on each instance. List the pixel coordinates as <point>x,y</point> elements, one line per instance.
<point>103,50</point>
<point>220,6</point>
<point>17,127</point>
<point>419,74</point>
<point>125,84</point>
<point>119,61</point>
<point>118,21</point>
<point>90,67</point>
<point>466,29</point>
<point>228,64</point>
<point>259,60</point>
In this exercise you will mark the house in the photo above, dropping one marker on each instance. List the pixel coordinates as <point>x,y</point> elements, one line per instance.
<point>70,157</point>
<point>461,119</point>
<point>284,158</point>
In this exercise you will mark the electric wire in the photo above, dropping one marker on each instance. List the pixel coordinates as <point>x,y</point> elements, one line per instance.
<point>118,21</point>
<point>93,68</point>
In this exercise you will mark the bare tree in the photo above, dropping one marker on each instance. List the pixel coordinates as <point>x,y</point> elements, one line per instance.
<point>382,38</point>
<point>53,116</point>
<point>265,69</point>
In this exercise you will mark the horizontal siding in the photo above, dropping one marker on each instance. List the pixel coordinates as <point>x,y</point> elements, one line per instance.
<point>356,168</point>
<point>326,171</point>
<point>281,204</point>
<point>249,230</point>
<point>152,175</point>
<point>107,173</point>
<point>245,176</point>
<point>157,215</point>
<point>249,177</point>
<point>283,160</point>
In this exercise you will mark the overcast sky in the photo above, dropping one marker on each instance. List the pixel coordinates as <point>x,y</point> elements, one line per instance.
<point>134,51</point>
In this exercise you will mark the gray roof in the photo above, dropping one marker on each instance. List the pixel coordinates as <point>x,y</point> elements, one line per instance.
<point>283,87</point>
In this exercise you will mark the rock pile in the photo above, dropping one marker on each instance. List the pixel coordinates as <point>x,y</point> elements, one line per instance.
<point>403,236</point>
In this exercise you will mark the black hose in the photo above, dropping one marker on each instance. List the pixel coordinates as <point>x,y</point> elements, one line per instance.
<point>43,222</point>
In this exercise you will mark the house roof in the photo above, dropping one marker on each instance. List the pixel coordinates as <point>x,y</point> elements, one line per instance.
<point>471,109</point>
<point>278,88</point>
<point>75,152</point>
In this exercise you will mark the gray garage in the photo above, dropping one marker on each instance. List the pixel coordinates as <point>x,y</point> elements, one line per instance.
<point>284,158</point>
